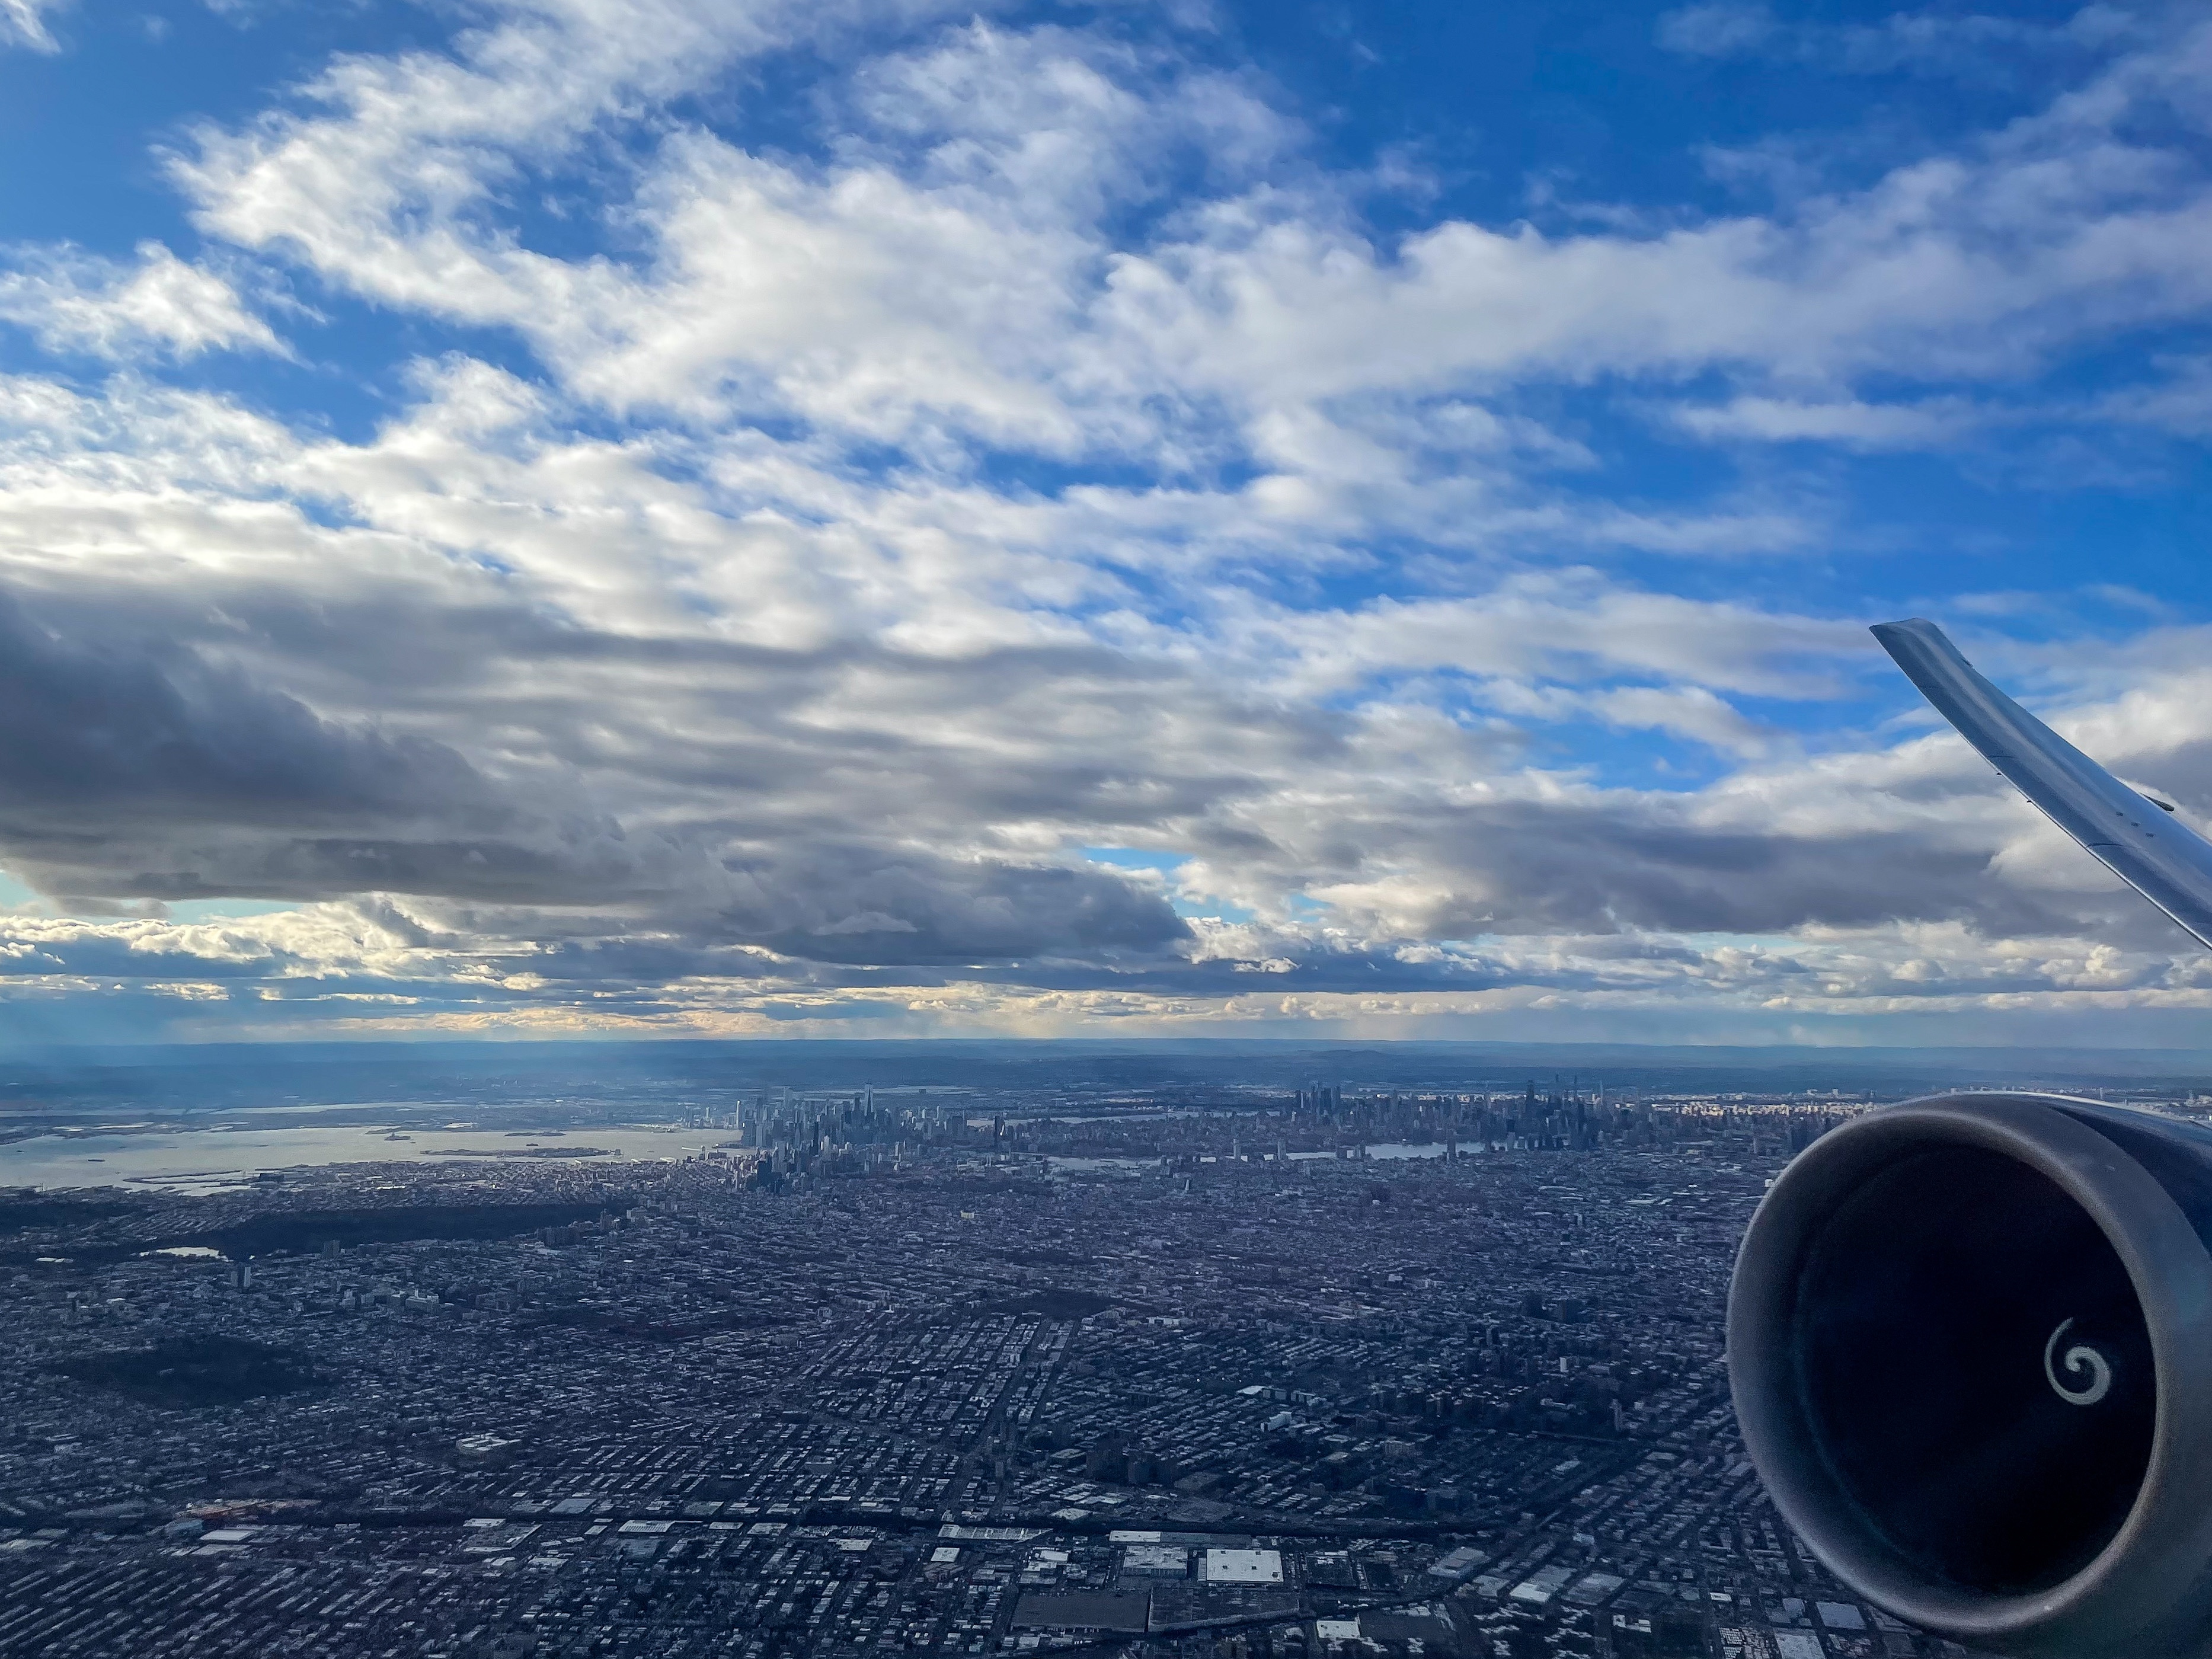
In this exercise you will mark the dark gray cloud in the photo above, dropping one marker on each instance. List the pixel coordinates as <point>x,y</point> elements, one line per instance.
<point>139,766</point>
<point>98,732</point>
<point>136,767</point>
<point>858,903</point>
<point>1635,865</point>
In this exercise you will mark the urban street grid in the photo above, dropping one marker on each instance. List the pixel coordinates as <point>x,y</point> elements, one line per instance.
<point>1318,1375</point>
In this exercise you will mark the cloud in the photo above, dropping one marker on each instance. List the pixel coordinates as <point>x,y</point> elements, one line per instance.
<point>2179,402</point>
<point>119,755</point>
<point>1867,428</point>
<point>75,303</point>
<point>763,568</point>
<point>1722,29</point>
<point>23,23</point>
<point>380,190</point>
<point>1969,43</point>
<point>135,768</point>
<point>952,276</point>
<point>1569,623</point>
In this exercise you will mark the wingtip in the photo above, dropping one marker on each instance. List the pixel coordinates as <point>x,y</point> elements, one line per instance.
<point>1909,627</point>
<point>1915,642</point>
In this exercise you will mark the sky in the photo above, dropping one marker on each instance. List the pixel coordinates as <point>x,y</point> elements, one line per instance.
<point>883,518</point>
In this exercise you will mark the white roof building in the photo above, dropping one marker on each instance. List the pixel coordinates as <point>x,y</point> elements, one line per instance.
<point>1243,1567</point>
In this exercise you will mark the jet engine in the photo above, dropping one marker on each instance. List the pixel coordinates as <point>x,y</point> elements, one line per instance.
<point>1970,1340</point>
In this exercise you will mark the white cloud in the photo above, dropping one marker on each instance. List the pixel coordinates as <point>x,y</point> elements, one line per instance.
<point>1571,624</point>
<point>1725,28</point>
<point>1947,42</point>
<point>380,191</point>
<point>2180,401</point>
<point>1849,423</point>
<point>73,302</point>
<point>1692,712</point>
<point>23,23</point>
<point>946,279</point>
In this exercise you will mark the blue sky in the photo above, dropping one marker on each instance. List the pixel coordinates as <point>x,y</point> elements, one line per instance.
<point>615,516</point>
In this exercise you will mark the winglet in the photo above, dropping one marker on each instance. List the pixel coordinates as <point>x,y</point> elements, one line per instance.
<point>2158,855</point>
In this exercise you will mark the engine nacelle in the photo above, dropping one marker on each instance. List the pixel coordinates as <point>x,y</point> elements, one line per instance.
<point>1970,1340</point>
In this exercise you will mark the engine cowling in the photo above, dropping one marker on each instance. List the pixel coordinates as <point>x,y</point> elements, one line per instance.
<point>1970,1340</point>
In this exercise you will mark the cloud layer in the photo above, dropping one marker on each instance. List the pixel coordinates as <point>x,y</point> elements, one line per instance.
<point>972,522</point>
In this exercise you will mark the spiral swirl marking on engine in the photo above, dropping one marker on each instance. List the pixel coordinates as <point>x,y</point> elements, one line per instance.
<point>2079,1359</point>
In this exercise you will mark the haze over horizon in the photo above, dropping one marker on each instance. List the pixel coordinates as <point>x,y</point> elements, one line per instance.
<point>616,517</point>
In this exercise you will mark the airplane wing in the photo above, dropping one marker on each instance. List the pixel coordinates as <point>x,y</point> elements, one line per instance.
<point>2155,854</point>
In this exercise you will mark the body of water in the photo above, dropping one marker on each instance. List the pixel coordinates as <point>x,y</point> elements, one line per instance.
<point>201,1159</point>
<point>1398,1149</point>
<point>1380,1150</point>
<point>1094,1165</point>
